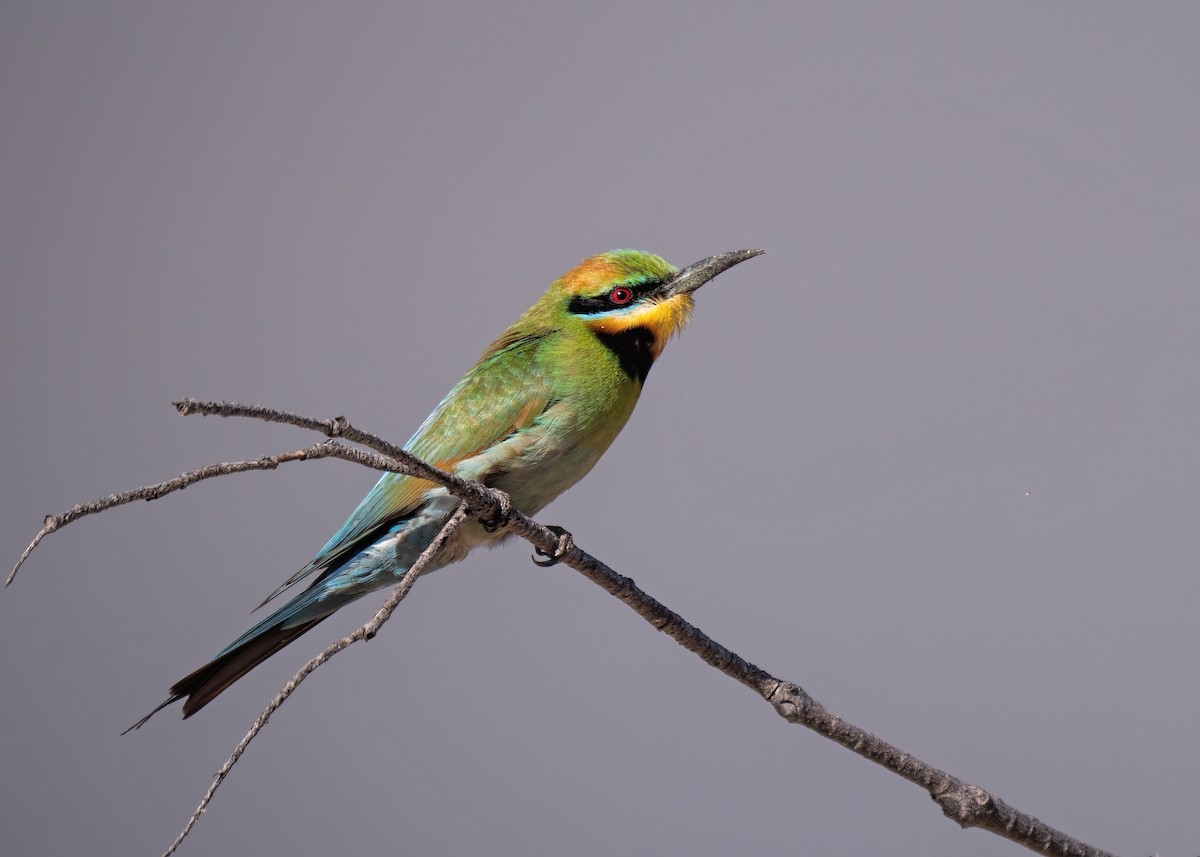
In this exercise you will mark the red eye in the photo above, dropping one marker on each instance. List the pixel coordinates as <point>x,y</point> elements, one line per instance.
<point>620,295</point>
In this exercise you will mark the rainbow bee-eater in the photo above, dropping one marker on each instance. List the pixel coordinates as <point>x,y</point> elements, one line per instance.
<point>530,418</point>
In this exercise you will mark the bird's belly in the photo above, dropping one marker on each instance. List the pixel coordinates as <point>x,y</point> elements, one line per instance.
<point>537,465</point>
<point>533,485</point>
<point>532,476</point>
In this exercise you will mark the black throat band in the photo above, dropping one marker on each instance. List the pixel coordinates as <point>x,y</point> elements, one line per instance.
<point>633,349</point>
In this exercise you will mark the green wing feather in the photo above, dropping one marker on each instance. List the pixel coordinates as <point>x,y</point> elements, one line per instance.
<point>503,393</point>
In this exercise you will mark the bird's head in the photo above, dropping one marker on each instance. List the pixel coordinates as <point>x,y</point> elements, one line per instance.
<point>626,293</point>
<point>631,301</point>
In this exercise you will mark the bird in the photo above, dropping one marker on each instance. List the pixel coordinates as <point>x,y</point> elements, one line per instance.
<point>530,418</point>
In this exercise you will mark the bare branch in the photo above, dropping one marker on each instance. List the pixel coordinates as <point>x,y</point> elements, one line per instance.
<point>340,427</point>
<point>479,497</point>
<point>966,804</point>
<point>366,632</point>
<point>153,492</point>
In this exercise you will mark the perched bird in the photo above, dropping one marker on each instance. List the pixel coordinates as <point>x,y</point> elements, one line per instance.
<point>530,418</point>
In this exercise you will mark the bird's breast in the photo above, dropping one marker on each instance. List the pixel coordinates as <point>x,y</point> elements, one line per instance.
<point>539,463</point>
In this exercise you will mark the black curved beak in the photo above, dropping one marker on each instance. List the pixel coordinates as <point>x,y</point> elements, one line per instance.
<point>696,275</point>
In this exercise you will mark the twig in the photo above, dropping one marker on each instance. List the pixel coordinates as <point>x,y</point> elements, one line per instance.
<point>474,493</point>
<point>478,497</point>
<point>966,804</point>
<point>153,492</point>
<point>366,632</point>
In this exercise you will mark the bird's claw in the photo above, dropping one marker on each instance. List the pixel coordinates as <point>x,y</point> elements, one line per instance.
<point>565,545</point>
<point>500,518</point>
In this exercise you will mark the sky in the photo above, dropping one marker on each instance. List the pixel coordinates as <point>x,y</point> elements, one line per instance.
<point>933,456</point>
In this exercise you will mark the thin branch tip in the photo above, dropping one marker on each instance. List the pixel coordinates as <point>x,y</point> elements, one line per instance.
<point>49,525</point>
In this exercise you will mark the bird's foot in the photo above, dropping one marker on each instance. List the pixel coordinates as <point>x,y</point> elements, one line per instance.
<point>565,545</point>
<point>500,517</point>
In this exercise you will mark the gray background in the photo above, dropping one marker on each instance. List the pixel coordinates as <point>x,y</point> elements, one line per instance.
<point>934,456</point>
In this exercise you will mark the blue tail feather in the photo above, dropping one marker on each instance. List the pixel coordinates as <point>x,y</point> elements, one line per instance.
<point>302,613</point>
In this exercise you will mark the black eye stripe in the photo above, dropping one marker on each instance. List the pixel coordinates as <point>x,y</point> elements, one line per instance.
<point>604,302</point>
